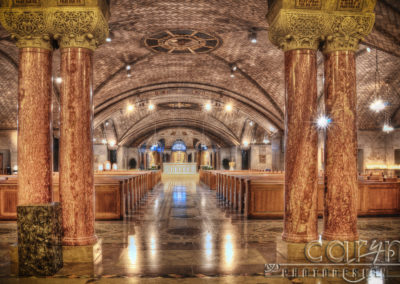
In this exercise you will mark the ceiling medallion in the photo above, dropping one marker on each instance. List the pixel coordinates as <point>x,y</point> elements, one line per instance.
<point>182,41</point>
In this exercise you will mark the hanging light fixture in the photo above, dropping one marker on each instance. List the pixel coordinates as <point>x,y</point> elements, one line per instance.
<point>378,104</point>
<point>387,126</point>
<point>110,36</point>
<point>128,70</point>
<point>154,141</point>
<point>253,35</point>
<point>233,68</point>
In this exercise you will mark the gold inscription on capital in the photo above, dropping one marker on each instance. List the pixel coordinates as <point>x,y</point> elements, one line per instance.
<point>26,3</point>
<point>71,2</point>
<point>313,4</point>
<point>351,5</point>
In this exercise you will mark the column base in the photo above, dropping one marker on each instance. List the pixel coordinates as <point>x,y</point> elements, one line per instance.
<point>331,236</point>
<point>295,238</point>
<point>83,254</point>
<point>287,252</point>
<point>85,259</point>
<point>328,251</point>
<point>88,241</point>
<point>39,239</point>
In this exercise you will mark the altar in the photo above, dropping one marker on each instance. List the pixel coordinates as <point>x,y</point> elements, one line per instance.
<point>180,168</point>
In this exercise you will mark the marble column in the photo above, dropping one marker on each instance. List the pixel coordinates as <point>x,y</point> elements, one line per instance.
<point>301,166</point>
<point>34,132</point>
<point>341,193</point>
<point>76,149</point>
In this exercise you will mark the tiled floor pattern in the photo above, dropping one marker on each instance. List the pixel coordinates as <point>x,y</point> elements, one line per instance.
<point>183,234</point>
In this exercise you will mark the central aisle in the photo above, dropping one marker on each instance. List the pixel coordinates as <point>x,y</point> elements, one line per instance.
<point>182,229</point>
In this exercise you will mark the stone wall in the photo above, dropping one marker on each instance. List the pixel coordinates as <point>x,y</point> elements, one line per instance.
<point>133,153</point>
<point>378,146</point>
<point>232,154</point>
<point>100,154</point>
<point>261,157</point>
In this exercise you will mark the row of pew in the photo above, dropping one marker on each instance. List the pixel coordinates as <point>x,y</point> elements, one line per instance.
<point>117,193</point>
<point>258,194</point>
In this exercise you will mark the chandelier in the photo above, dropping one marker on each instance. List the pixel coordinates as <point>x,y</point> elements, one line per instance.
<point>378,104</point>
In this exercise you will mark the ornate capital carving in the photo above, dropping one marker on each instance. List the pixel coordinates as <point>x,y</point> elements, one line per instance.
<point>85,28</point>
<point>35,23</point>
<point>296,30</point>
<point>338,24</point>
<point>28,28</point>
<point>344,32</point>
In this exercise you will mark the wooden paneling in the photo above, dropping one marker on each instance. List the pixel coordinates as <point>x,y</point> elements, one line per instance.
<point>380,198</point>
<point>108,202</point>
<point>266,201</point>
<point>8,202</point>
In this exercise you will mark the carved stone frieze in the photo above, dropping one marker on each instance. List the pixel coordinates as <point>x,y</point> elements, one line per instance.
<point>84,25</point>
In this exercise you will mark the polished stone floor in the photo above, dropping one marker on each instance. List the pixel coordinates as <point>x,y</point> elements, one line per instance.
<point>182,233</point>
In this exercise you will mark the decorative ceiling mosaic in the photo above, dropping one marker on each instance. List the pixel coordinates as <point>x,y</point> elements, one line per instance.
<point>182,41</point>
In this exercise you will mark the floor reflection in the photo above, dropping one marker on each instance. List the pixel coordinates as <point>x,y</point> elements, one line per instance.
<point>228,253</point>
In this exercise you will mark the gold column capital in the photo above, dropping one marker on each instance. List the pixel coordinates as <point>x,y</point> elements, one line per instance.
<point>344,32</point>
<point>27,27</point>
<point>292,29</point>
<point>74,23</point>
<point>304,24</point>
<point>79,27</point>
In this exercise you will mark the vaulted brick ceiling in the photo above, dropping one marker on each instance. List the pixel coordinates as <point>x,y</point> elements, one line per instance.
<point>256,91</point>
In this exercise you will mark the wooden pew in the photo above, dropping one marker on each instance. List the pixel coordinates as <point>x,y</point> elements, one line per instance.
<point>208,177</point>
<point>261,194</point>
<point>117,193</point>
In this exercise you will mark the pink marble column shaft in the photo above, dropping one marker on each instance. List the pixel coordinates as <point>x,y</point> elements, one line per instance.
<point>34,131</point>
<point>300,219</point>
<point>76,149</point>
<point>341,194</point>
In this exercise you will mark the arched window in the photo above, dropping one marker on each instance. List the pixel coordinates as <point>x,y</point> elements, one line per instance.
<point>178,145</point>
